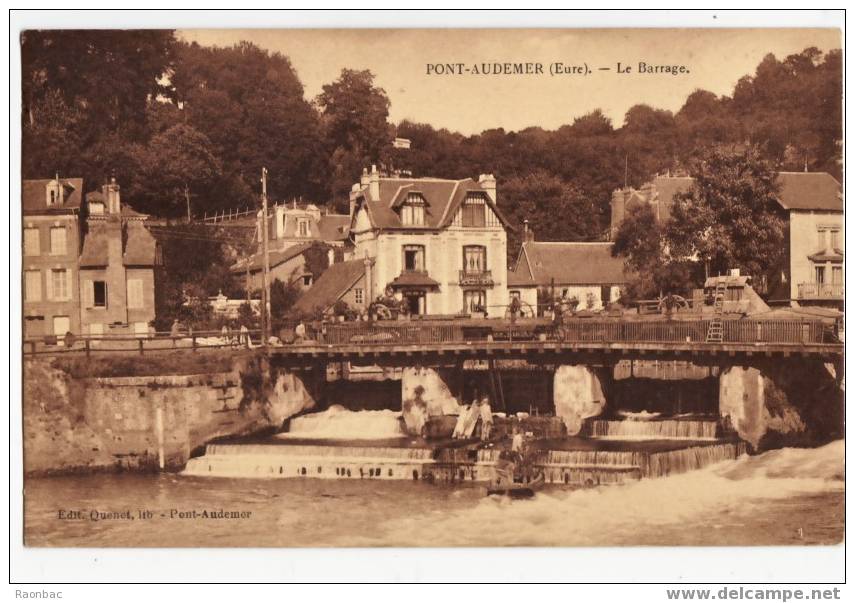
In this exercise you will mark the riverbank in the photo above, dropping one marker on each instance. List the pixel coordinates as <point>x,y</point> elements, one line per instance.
<point>125,414</point>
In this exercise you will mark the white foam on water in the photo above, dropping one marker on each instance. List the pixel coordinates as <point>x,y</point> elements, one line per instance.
<point>641,415</point>
<point>616,514</point>
<point>339,423</point>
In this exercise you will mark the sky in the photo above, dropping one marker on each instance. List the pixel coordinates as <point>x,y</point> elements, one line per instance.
<point>715,59</point>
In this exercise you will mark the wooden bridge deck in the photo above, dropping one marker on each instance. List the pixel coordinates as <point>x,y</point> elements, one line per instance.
<point>396,342</point>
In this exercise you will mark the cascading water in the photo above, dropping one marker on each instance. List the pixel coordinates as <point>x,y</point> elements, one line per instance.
<point>654,429</point>
<point>340,423</point>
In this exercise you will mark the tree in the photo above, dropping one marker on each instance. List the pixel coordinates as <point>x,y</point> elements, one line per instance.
<point>282,298</point>
<point>730,217</point>
<point>355,114</point>
<point>109,74</point>
<point>175,167</point>
<point>249,103</point>
<point>539,198</point>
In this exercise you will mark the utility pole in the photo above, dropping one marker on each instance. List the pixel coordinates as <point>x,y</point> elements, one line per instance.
<point>265,277</point>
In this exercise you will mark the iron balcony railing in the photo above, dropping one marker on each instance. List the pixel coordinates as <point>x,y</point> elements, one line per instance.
<point>821,291</point>
<point>483,278</point>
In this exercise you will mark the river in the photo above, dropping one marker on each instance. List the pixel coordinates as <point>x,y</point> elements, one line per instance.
<point>785,496</point>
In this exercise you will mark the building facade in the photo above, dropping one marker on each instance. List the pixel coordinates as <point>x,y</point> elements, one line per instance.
<point>813,203</point>
<point>117,265</point>
<point>52,239</point>
<point>440,245</point>
<point>290,225</point>
<point>586,272</point>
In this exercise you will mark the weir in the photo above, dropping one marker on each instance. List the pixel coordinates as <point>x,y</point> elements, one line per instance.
<point>602,424</point>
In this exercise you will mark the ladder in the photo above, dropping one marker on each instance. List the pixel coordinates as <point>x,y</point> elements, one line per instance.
<point>715,333</point>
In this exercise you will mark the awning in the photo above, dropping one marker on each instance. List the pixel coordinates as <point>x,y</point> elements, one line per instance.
<point>414,280</point>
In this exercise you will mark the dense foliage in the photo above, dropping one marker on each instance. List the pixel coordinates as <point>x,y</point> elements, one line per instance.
<point>186,129</point>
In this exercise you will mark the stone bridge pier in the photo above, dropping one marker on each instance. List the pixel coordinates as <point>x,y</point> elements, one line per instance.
<point>284,391</point>
<point>795,402</point>
<point>429,391</point>
<point>578,394</point>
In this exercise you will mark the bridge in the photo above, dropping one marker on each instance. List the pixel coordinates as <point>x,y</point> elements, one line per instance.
<point>421,341</point>
<point>580,341</point>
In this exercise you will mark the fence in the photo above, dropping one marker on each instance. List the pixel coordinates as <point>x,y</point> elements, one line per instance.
<point>161,341</point>
<point>580,331</point>
<point>394,333</point>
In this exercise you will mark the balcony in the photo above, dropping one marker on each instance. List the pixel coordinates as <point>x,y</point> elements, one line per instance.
<point>481,278</point>
<point>821,291</point>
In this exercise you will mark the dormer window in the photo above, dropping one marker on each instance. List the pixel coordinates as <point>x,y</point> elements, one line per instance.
<point>53,193</point>
<point>96,208</point>
<point>413,210</point>
<point>474,211</point>
<point>303,229</point>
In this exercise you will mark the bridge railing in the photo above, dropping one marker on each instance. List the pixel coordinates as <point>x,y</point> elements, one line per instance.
<point>363,333</point>
<point>159,341</point>
<point>695,331</point>
<point>579,331</point>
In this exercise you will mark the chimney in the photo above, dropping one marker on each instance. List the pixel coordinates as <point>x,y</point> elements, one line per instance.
<point>354,193</point>
<point>618,206</point>
<point>528,233</point>
<point>488,183</point>
<point>111,197</point>
<point>331,256</point>
<point>374,184</point>
<point>369,293</point>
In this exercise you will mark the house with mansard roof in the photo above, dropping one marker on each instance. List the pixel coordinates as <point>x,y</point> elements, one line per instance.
<point>439,244</point>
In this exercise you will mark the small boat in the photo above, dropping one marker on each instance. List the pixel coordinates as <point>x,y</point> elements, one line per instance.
<point>517,489</point>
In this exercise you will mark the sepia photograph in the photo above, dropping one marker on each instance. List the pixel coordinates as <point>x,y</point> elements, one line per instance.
<point>410,287</point>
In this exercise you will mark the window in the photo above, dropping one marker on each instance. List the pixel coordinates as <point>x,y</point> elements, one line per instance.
<point>60,289</point>
<point>303,229</point>
<point>835,239</point>
<point>96,208</point>
<point>33,285</point>
<point>474,259</point>
<point>414,258</point>
<point>474,212</point>
<point>96,329</point>
<point>61,325</point>
<point>514,294</point>
<point>31,241</point>
<point>475,301</point>
<point>413,211</point>
<point>135,293</point>
<point>358,296</point>
<point>820,240</point>
<point>53,193</point>
<point>307,280</point>
<point>837,275</point>
<point>57,240</point>
<point>820,274</point>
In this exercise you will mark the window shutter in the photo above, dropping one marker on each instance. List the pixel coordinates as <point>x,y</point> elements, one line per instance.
<point>89,294</point>
<point>49,284</point>
<point>135,293</point>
